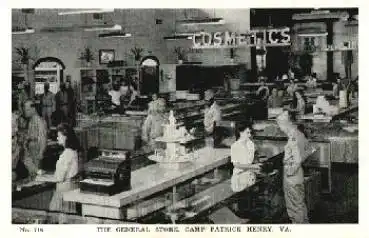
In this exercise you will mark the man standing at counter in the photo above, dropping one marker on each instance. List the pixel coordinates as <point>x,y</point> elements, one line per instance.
<point>36,140</point>
<point>295,152</point>
<point>48,104</point>
<point>213,114</point>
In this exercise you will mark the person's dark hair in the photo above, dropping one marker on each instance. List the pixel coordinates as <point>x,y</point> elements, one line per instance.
<point>262,93</point>
<point>71,137</point>
<point>124,82</point>
<point>249,124</point>
<point>27,88</point>
<point>294,98</point>
<point>30,102</point>
<point>62,86</point>
<point>274,87</point>
<point>302,129</point>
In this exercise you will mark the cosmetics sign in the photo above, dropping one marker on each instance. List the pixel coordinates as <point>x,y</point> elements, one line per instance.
<point>260,37</point>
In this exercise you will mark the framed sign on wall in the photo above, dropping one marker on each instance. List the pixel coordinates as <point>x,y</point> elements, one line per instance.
<point>106,56</point>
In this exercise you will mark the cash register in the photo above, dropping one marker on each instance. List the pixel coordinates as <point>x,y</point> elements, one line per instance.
<point>108,174</point>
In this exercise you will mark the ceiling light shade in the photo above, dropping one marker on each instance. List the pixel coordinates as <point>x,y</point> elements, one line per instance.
<point>202,21</point>
<point>313,34</point>
<point>84,11</point>
<point>23,31</point>
<point>115,35</point>
<point>180,36</point>
<point>115,27</point>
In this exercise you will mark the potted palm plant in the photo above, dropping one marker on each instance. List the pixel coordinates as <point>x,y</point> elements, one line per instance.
<point>180,53</point>
<point>87,56</point>
<point>24,58</point>
<point>137,53</point>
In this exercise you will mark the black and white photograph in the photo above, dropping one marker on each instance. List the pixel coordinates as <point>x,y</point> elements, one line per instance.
<point>202,116</point>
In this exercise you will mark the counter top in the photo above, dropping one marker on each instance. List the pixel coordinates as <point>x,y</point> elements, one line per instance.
<point>154,178</point>
<point>317,132</point>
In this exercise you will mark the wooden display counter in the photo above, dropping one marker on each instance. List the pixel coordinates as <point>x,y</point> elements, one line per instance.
<point>147,181</point>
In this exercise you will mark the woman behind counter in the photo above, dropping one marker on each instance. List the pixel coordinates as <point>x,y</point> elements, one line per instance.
<point>153,125</point>
<point>66,169</point>
<point>293,174</point>
<point>298,104</point>
<point>275,100</point>
<point>291,88</point>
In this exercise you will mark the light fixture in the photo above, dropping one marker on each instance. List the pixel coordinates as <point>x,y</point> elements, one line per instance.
<point>180,36</point>
<point>115,27</point>
<point>115,35</point>
<point>85,11</point>
<point>313,34</point>
<point>202,21</point>
<point>23,31</point>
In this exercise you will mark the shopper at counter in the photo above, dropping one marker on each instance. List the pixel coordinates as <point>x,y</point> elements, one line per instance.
<point>298,104</point>
<point>291,88</point>
<point>72,110</point>
<point>212,114</point>
<point>16,143</point>
<point>293,174</point>
<point>115,96</point>
<point>291,75</point>
<point>263,91</point>
<point>311,81</point>
<point>337,87</point>
<point>62,104</point>
<point>48,104</point>
<point>153,124</point>
<point>275,100</point>
<point>127,93</point>
<point>24,95</point>
<point>66,169</point>
<point>36,140</point>
<point>153,102</point>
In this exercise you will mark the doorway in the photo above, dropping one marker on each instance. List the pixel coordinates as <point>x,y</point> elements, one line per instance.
<point>276,62</point>
<point>149,75</point>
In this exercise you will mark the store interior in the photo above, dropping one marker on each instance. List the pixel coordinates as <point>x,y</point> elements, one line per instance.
<point>185,116</point>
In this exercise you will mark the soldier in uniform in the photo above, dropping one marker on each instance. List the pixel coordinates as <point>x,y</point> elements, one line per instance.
<point>293,174</point>
<point>36,140</point>
<point>48,104</point>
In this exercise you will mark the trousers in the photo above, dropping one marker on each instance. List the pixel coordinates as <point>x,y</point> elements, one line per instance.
<point>294,195</point>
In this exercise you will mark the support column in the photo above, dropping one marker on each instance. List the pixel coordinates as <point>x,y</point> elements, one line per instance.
<point>330,53</point>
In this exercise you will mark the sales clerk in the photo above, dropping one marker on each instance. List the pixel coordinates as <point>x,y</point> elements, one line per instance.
<point>115,96</point>
<point>212,114</point>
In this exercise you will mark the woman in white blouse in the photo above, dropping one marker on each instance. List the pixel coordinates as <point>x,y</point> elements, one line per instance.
<point>242,158</point>
<point>66,169</point>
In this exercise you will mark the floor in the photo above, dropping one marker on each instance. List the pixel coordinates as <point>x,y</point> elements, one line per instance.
<point>341,206</point>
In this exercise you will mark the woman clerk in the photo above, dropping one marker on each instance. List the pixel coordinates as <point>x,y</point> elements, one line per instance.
<point>66,169</point>
<point>298,106</point>
<point>213,114</point>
